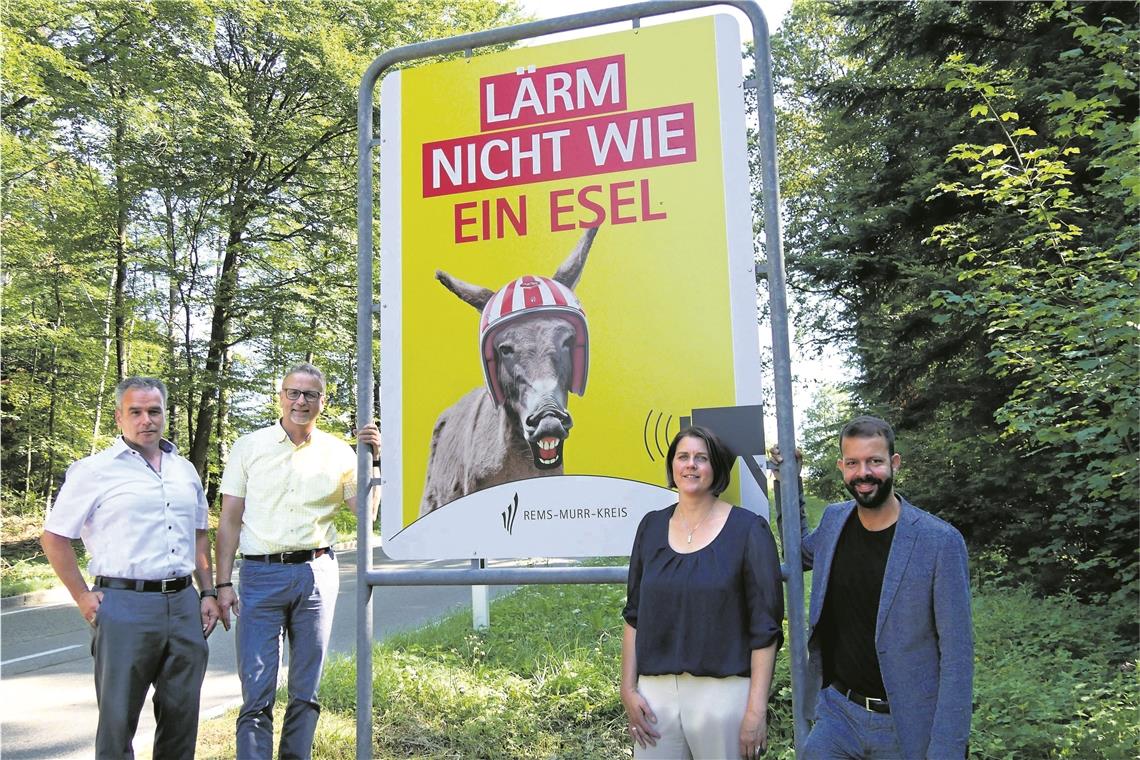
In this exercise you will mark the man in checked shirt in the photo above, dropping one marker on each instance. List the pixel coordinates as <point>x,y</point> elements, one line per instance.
<point>281,486</point>
<point>140,510</point>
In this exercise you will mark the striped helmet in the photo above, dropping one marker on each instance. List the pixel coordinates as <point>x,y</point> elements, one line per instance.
<point>532,296</point>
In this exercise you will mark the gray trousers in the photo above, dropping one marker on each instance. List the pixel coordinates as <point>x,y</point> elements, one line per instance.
<point>144,638</point>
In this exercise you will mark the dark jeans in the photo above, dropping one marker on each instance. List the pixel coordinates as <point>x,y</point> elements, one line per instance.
<point>844,729</point>
<point>295,601</point>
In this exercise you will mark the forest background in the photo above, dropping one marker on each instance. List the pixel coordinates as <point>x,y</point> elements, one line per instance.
<point>959,185</point>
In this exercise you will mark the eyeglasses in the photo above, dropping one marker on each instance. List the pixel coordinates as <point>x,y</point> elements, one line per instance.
<point>293,394</point>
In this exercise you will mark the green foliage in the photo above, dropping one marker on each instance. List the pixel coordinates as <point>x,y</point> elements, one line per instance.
<point>179,200</point>
<point>962,191</point>
<point>829,410</point>
<point>1057,295</point>
<point>1052,679</point>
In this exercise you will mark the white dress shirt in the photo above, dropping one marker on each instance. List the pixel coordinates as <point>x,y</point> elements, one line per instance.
<point>135,522</point>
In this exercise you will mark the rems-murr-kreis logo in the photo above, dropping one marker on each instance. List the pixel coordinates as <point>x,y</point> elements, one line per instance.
<point>509,515</point>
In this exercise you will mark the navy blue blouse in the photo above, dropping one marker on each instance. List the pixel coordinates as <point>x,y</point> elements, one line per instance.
<point>703,613</point>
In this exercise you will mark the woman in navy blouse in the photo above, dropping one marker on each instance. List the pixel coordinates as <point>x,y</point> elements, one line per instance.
<point>703,616</point>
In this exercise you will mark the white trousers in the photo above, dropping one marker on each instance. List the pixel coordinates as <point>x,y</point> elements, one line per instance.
<point>698,717</point>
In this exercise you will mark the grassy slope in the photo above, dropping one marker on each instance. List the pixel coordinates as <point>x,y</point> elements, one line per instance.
<point>1052,681</point>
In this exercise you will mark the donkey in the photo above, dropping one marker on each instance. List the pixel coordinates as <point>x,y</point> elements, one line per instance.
<point>534,348</point>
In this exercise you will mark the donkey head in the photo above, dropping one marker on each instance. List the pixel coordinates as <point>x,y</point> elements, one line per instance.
<point>535,349</point>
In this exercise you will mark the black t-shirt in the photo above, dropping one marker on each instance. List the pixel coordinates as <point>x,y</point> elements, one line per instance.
<point>703,613</point>
<point>850,609</point>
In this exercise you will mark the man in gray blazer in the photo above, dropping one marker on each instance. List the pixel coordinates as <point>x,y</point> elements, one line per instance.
<point>891,646</point>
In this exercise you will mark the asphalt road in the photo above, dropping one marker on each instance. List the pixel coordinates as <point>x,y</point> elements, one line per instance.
<point>47,695</point>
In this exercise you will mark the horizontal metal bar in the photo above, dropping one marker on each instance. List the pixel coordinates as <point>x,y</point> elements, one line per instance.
<point>508,34</point>
<point>504,576</point>
<point>496,576</point>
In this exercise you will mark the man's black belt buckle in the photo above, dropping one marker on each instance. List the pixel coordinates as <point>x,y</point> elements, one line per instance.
<point>870,704</point>
<point>288,558</point>
<point>164,586</point>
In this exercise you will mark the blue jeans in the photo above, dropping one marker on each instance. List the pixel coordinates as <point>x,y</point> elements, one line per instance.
<point>295,601</point>
<point>844,729</point>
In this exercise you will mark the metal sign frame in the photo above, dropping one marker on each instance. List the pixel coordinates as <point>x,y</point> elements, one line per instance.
<point>368,140</point>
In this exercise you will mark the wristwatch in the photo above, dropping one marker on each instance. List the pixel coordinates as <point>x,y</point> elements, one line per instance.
<point>208,592</point>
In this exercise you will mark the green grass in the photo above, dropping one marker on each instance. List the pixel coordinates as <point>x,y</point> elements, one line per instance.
<point>25,576</point>
<point>23,566</point>
<point>1054,679</point>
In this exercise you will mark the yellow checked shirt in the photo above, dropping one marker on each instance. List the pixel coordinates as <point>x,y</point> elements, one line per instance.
<point>291,492</point>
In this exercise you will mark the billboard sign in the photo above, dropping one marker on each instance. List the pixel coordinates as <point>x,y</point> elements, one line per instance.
<point>566,272</point>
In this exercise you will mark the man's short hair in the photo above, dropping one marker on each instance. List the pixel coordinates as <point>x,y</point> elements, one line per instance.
<point>304,368</point>
<point>866,426</point>
<point>719,457</point>
<point>136,381</point>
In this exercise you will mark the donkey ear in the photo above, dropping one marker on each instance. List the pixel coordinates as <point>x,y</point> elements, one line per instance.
<point>472,294</point>
<point>571,270</point>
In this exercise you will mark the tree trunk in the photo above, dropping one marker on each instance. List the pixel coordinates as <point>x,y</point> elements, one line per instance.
<point>212,377</point>
<point>312,332</point>
<point>108,311</point>
<point>187,317</point>
<point>120,249</point>
<point>28,490</point>
<point>171,311</point>
<point>223,417</point>
<point>49,485</point>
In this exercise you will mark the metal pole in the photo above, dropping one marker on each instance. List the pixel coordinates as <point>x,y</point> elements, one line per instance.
<point>782,370</point>
<point>366,576</point>
<point>480,612</point>
<point>364,415</point>
<point>497,576</point>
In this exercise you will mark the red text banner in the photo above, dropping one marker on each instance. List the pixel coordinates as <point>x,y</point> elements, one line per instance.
<point>632,140</point>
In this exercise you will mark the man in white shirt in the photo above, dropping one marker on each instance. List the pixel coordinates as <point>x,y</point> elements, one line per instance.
<point>141,512</point>
<point>281,487</point>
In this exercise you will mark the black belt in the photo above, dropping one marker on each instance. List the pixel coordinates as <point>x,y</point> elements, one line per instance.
<point>867,703</point>
<point>167,586</point>
<point>289,558</point>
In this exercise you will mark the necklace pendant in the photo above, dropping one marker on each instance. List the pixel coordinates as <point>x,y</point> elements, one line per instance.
<point>690,538</point>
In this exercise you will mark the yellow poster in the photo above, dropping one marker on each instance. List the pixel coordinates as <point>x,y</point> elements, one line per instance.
<point>567,271</point>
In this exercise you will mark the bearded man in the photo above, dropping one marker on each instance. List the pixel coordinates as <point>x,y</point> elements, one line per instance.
<point>891,645</point>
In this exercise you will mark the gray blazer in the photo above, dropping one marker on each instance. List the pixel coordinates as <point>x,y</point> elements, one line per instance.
<point>924,632</point>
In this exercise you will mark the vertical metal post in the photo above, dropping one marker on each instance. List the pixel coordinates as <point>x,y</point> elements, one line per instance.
<point>782,369</point>
<point>364,415</point>
<point>480,610</point>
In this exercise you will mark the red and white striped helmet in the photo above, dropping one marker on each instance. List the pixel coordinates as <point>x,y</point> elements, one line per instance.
<point>532,296</point>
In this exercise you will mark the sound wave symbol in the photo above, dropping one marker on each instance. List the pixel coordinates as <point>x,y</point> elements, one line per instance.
<point>658,435</point>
